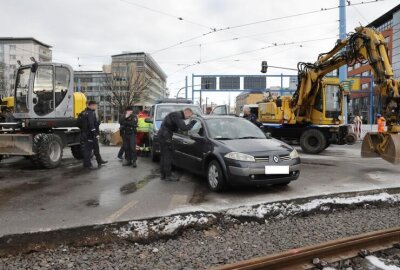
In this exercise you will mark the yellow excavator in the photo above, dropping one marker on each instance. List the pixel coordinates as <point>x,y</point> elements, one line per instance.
<point>304,108</point>
<point>45,110</point>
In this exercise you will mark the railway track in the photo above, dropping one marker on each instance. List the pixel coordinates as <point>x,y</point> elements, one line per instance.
<point>314,257</point>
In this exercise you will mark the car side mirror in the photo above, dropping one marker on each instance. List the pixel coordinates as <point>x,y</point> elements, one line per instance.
<point>148,120</point>
<point>268,135</point>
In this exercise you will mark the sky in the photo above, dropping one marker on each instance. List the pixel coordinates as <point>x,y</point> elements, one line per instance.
<point>180,36</point>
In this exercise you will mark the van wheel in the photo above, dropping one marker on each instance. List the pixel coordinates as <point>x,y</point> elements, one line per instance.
<point>48,149</point>
<point>312,141</point>
<point>154,156</point>
<point>215,177</point>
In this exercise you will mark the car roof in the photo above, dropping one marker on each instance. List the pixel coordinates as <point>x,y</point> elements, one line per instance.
<point>218,116</point>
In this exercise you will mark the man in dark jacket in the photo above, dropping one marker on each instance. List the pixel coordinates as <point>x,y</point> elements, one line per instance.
<point>121,133</point>
<point>129,125</point>
<point>90,136</point>
<point>173,122</point>
<point>251,117</point>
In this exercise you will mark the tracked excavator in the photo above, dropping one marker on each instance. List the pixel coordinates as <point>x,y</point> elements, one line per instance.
<point>45,113</point>
<point>365,45</point>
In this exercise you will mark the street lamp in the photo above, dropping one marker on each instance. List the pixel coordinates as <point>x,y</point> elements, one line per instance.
<point>180,89</point>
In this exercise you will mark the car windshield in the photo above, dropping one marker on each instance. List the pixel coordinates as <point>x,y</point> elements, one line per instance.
<point>163,110</point>
<point>233,128</point>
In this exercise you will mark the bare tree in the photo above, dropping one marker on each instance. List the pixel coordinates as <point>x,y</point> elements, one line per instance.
<point>128,86</point>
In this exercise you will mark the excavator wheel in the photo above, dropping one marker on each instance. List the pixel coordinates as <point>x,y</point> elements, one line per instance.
<point>385,145</point>
<point>313,141</point>
<point>351,138</point>
<point>48,149</point>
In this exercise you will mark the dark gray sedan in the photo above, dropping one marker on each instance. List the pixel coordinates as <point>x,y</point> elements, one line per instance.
<point>229,150</point>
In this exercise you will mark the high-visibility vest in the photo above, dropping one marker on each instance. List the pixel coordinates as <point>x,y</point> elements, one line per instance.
<point>381,124</point>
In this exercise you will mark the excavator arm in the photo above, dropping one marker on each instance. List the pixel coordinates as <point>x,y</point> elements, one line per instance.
<point>364,45</point>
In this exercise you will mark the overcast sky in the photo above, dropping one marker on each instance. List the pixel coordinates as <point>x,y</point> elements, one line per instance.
<point>95,29</point>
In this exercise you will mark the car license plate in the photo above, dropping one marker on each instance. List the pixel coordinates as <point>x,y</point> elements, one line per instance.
<point>276,169</point>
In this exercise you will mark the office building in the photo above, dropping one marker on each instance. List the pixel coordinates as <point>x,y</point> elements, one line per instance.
<point>129,66</point>
<point>22,49</point>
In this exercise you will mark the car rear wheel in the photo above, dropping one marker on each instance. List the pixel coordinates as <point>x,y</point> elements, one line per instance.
<point>215,176</point>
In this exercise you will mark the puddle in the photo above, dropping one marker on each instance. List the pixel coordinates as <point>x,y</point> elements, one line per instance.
<point>92,202</point>
<point>134,186</point>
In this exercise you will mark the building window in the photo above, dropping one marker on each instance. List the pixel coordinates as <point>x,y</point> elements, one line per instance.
<point>365,74</point>
<point>365,86</point>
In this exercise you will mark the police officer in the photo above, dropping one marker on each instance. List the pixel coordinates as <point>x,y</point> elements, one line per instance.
<point>250,116</point>
<point>173,122</point>
<point>129,125</point>
<point>90,136</point>
<point>121,133</point>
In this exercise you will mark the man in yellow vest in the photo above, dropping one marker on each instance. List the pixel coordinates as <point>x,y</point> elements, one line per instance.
<point>381,123</point>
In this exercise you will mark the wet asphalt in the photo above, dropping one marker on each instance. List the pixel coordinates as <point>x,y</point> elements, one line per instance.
<point>34,199</point>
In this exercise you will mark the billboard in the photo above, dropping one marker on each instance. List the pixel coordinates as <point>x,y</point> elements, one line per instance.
<point>255,82</point>
<point>229,82</point>
<point>209,82</point>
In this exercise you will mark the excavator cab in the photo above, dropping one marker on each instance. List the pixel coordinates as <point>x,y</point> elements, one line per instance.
<point>328,104</point>
<point>44,91</point>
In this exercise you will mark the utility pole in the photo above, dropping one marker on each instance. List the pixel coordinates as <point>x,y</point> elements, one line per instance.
<point>342,36</point>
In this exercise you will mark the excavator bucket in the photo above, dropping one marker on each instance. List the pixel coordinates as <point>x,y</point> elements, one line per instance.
<point>385,145</point>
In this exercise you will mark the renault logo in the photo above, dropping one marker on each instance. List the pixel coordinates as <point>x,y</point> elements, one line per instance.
<point>276,159</point>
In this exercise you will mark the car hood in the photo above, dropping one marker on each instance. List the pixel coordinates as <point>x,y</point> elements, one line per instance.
<point>255,145</point>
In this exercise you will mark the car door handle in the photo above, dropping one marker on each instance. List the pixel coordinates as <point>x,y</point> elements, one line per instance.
<point>185,142</point>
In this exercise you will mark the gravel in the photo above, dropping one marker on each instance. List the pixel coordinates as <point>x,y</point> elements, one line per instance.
<point>226,241</point>
<point>388,259</point>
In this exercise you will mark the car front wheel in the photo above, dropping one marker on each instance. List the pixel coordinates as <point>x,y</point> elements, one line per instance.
<point>215,176</point>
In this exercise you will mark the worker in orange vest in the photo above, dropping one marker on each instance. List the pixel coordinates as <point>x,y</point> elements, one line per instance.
<point>381,123</point>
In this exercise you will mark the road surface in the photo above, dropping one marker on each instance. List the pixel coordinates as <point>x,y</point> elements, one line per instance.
<point>33,200</point>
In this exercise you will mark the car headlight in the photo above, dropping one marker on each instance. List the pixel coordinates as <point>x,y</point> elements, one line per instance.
<point>240,157</point>
<point>294,154</point>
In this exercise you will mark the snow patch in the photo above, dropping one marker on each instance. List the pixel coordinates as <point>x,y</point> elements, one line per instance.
<point>380,264</point>
<point>112,127</point>
<point>282,209</point>
<point>163,226</point>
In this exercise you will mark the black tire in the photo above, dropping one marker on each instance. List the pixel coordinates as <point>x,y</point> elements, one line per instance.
<point>77,151</point>
<point>48,149</point>
<point>327,145</point>
<point>154,156</point>
<point>215,177</point>
<point>351,138</point>
<point>312,141</point>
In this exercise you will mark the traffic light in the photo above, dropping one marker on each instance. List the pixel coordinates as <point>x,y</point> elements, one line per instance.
<point>264,66</point>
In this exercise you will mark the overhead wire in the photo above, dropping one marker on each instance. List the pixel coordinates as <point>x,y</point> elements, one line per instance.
<point>259,22</point>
